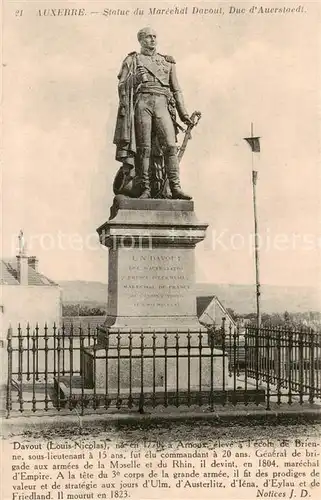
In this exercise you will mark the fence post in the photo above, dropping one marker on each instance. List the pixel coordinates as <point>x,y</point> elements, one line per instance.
<point>154,368</point>
<point>177,367</point>
<point>189,366</point>
<point>28,351</point>
<point>141,396</point>
<point>46,349</point>
<point>20,358</point>
<point>267,339</point>
<point>58,371</point>
<point>211,401</point>
<point>235,360</point>
<point>223,341</point>
<point>95,399</point>
<point>81,347</point>
<point>165,369</point>
<point>20,368</point>
<point>37,351</point>
<point>301,366</point>
<point>279,378</point>
<point>256,348</point>
<point>246,353</point>
<point>119,401</point>
<point>63,332</point>
<point>82,370</point>
<point>200,368</point>
<point>130,351</point>
<point>34,351</point>
<point>71,361</point>
<point>9,351</point>
<point>290,364</point>
<point>311,363</point>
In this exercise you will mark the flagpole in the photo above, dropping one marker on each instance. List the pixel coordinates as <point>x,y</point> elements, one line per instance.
<point>257,253</point>
<point>255,147</point>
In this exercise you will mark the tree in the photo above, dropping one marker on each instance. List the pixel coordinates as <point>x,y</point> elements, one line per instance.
<point>232,313</point>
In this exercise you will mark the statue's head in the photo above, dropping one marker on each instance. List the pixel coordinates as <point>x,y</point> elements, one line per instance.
<point>147,38</point>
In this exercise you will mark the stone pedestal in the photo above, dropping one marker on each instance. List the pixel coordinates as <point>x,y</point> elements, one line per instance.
<point>151,264</point>
<point>151,294</point>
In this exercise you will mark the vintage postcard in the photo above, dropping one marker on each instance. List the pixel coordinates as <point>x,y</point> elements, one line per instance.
<point>160,269</point>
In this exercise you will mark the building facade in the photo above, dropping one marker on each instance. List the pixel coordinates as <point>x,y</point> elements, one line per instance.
<point>27,296</point>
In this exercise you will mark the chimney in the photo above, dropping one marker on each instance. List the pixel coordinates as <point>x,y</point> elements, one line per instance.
<point>33,262</point>
<point>22,261</point>
<point>22,268</point>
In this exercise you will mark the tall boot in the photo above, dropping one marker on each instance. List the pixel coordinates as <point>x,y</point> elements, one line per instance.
<point>144,178</point>
<point>172,170</point>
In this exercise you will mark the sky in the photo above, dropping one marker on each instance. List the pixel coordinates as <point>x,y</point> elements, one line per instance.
<point>59,110</point>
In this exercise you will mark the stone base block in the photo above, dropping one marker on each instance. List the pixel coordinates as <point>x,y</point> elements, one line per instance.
<point>72,393</point>
<point>124,369</point>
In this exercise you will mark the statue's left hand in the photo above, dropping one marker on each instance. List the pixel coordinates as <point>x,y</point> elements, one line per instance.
<point>186,119</point>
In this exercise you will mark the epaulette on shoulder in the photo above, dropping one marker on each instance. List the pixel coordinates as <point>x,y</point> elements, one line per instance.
<point>169,59</point>
<point>132,53</point>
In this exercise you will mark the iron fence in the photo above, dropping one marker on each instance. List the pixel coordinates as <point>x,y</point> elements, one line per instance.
<point>286,360</point>
<point>61,369</point>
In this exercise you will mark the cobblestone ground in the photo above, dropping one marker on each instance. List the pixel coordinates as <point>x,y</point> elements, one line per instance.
<point>165,431</point>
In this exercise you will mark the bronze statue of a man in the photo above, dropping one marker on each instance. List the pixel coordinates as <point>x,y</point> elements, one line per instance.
<point>146,128</point>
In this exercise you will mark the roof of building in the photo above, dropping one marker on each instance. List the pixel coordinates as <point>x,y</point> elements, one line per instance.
<point>9,274</point>
<point>202,303</point>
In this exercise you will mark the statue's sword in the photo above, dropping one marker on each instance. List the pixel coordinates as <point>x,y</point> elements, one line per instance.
<point>195,118</point>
